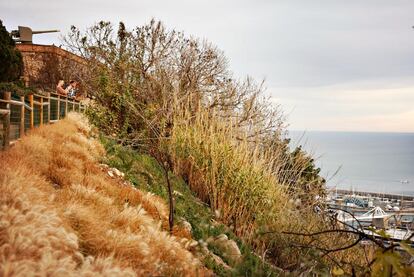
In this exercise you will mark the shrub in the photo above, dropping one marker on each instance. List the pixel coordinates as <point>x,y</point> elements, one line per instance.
<point>11,62</point>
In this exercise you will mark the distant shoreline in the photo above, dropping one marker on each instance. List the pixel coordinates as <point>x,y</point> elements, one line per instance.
<point>351,132</point>
<point>377,194</point>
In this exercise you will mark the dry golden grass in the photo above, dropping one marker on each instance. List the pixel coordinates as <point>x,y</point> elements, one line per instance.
<point>61,214</point>
<point>238,179</point>
<point>228,174</point>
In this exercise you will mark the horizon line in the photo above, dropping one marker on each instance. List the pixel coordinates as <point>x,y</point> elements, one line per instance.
<point>347,131</point>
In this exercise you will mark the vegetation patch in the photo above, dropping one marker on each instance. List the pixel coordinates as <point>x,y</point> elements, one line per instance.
<point>145,173</point>
<point>63,213</point>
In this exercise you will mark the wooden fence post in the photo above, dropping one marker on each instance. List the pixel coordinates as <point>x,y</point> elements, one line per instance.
<point>41,110</point>
<point>32,111</point>
<point>58,107</point>
<point>66,106</point>
<point>6,122</point>
<point>22,117</point>
<point>48,108</point>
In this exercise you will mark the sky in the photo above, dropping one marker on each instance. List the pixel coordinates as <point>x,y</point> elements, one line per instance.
<point>332,65</point>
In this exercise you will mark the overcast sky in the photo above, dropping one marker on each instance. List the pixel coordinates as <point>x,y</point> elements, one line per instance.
<point>332,65</point>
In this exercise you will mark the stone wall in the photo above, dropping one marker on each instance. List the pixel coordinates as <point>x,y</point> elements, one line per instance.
<point>45,65</point>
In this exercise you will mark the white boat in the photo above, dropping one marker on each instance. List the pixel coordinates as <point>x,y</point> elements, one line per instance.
<point>377,218</point>
<point>375,213</point>
<point>394,234</point>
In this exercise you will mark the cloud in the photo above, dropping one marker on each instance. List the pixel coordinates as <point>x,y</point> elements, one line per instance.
<point>339,108</point>
<point>299,47</point>
<point>396,122</point>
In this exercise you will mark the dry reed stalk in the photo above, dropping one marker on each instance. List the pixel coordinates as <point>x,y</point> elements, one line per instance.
<point>226,173</point>
<point>248,185</point>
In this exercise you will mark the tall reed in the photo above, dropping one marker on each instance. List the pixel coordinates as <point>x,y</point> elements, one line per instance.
<point>227,172</point>
<point>248,186</point>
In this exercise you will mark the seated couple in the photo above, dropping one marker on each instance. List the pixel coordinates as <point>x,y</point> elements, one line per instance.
<point>70,91</point>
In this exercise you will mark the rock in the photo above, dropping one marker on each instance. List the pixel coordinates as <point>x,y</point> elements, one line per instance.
<point>104,165</point>
<point>187,226</point>
<point>117,172</point>
<point>113,172</point>
<point>127,183</point>
<point>202,243</point>
<point>232,251</point>
<point>202,252</point>
<point>222,237</point>
<point>190,244</point>
<point>217,213</point>
<point>177,193</point>
<point>56,186</point>
<point>219,261</point>
<point>227,247</point>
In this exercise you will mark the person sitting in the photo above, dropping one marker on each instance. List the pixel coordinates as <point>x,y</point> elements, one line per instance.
<point>59,88</point>
<point>71,89</point>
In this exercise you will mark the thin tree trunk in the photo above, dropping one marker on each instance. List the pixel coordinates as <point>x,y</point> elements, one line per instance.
<point>171,199</point>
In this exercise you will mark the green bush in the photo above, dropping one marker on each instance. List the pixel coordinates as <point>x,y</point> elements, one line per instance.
<point>11,62</point>
<point>17,88</point>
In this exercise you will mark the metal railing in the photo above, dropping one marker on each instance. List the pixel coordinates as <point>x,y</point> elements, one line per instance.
<point>18,114</point>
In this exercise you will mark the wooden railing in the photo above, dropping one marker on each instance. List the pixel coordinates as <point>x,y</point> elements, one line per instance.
<point>18,114</point>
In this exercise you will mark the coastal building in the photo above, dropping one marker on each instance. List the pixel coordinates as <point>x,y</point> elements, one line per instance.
<point>45,65</point>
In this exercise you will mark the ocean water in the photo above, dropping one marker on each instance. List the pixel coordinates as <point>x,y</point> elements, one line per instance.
<point>373,162</point>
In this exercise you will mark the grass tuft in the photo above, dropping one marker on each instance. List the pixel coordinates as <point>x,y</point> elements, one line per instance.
<point>62,214</point>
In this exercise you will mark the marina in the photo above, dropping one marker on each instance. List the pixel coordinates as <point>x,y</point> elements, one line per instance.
<point>364,201</point>
<point>372,212</point>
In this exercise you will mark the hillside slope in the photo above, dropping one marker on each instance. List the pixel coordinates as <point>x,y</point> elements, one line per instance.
<point>213,242</point>
<point>61,213</point>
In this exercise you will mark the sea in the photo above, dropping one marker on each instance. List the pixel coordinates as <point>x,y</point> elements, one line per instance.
<point>362,161</point>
